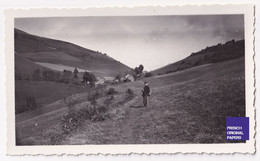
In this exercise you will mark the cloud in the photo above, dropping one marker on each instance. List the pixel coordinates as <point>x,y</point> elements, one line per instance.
<point>150,40</point>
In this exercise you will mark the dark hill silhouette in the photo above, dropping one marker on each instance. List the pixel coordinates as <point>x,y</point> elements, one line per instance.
<point>40,49</point>
<point>217,53</point>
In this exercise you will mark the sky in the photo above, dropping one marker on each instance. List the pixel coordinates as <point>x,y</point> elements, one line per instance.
<point>153,41</point>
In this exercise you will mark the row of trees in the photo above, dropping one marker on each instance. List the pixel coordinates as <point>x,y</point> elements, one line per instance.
<point>64,77</point>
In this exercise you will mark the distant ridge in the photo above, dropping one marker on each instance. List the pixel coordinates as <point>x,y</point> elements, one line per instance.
<point>41,49</point>
<point>213,54</point>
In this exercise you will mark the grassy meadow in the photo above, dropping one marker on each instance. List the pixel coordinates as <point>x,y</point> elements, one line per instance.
<point>188,106</point>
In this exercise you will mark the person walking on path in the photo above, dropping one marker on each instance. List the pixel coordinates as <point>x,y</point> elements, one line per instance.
<point>145,93</point>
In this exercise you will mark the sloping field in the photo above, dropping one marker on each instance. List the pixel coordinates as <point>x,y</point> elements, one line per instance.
<point>40,49</point>
<point>25,66</point>
<point>188,106</point>
<point>44,93</point>
<point>217,53</point>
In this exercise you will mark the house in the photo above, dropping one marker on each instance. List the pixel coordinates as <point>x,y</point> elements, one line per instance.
<point>108,79</point>
<point>129,78</point>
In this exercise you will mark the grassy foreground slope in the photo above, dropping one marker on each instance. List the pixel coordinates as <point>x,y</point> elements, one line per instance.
<point>188,106</point>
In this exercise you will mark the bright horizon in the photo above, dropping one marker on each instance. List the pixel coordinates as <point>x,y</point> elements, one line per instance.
<point>153,41</point>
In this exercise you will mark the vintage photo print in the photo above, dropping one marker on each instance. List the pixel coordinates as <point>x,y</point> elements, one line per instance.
<point>130,80</point>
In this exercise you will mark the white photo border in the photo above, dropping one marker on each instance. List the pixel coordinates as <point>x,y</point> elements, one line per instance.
<point>222,148</point>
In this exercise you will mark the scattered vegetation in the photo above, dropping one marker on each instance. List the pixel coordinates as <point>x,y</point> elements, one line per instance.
<point>76,117</point>
<point>111,91</point>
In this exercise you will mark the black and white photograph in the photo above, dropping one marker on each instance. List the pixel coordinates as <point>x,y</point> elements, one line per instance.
<point>129,79</point>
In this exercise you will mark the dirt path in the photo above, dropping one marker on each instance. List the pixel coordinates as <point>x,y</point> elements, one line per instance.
<point>134,109</point>
<point>113,130</point>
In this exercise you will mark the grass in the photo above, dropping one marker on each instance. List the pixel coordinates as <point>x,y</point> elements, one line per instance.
<point>185,107</point>
<point>40,49</point>
<point>188,106</point>
<point>44,93</point>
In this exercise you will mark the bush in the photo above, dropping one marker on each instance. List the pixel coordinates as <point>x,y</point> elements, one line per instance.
<point>92,97</point>
<point>70,102</point>
<point>76,117</point>
<point>130,91</point>
<point>111,91</point>
<point>129,95</point>
<point>109,100</point>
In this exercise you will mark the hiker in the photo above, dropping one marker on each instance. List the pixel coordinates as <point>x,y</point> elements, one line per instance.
<point>145,93</point>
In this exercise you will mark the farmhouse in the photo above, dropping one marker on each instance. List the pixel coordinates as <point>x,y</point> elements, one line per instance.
<point>129,78</point>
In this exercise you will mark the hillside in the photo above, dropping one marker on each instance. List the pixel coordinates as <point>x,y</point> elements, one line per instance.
<point>189,106</point>
<point>40,49</point>
<point>217,53</point>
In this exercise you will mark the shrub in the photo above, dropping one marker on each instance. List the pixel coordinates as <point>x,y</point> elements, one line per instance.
<point>108,100</point>
<point>129,95</point>
<point>76,117</point>
<point>69,101</point>
<point>111,91</point>
<point>92,97</point>
<point>130,91</point>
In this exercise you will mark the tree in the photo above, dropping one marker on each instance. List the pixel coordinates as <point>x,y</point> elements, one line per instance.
<point>118,77</point>
<point>66,76</point>
<point>76,73</point>
<point>48,75</point>
<point>139,70</point>
<point>89,78</point>
<point>36,74</point>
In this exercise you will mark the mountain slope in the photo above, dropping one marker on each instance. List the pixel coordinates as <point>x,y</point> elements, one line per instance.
<point>218,53</point>
<point>40,49</point>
